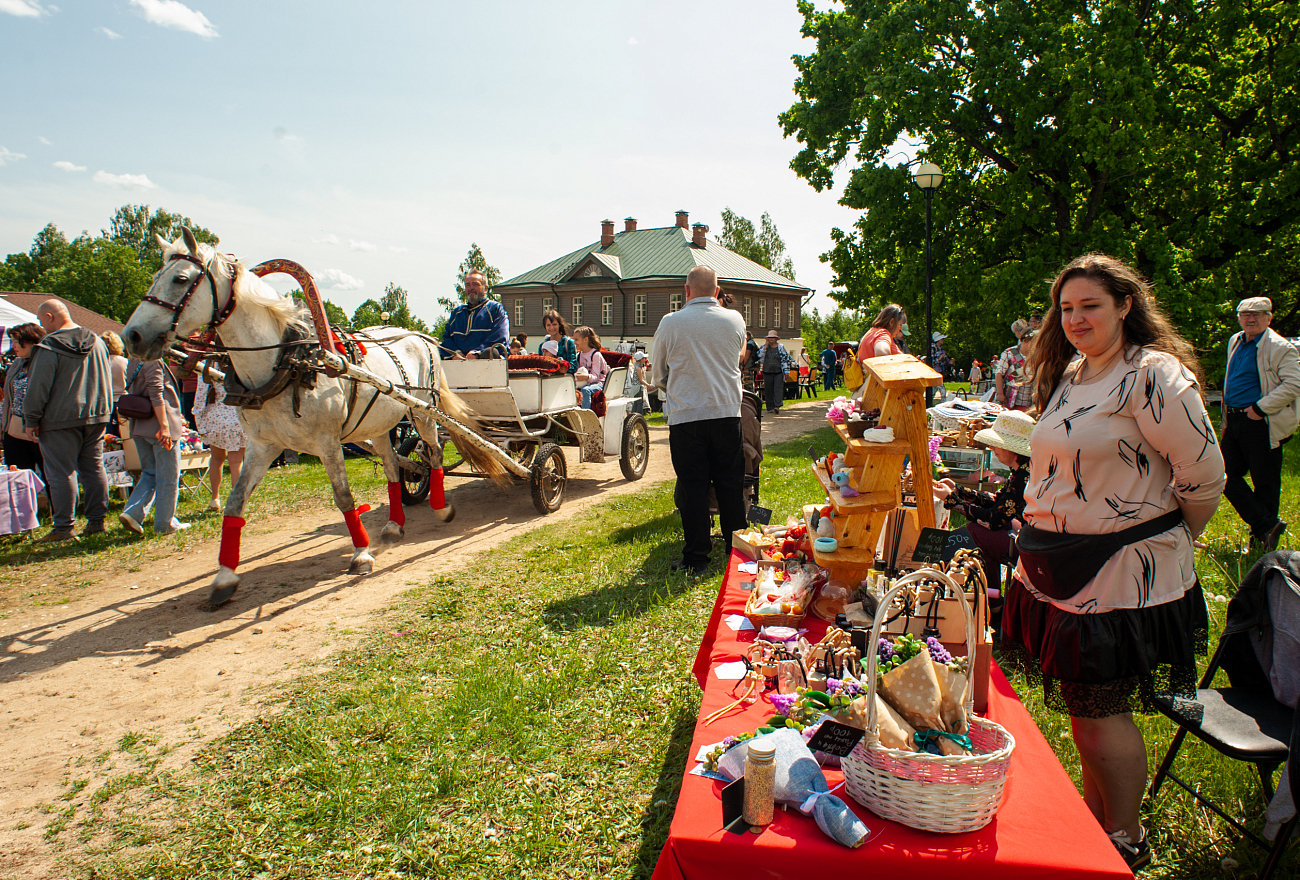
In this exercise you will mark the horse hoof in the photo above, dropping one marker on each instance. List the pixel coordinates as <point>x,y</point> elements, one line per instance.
<point>220,596</point>
<point>447,514</point>
<point>362,564</point>
<point>392,533</point>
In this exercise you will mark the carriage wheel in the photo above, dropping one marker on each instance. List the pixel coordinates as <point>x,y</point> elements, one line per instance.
<point>634,455</point>
<point>415,486</point>
<point>550,473</point>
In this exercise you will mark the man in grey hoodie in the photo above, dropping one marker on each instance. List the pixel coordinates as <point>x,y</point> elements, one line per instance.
<point>68,406</point>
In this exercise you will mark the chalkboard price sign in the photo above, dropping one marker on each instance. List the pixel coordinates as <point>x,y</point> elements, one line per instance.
<point>835,739</point>
<point>930,544</point>
<point>760,515</point>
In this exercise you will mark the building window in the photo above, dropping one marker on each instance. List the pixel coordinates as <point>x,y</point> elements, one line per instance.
<point>547,305</point>
<point>762,313</point>
<point>675,302</point>
<point>776,313</point>
<point>748,321</point>
<point>519,313</point>
<point>577,311</point>
<point>640,308</point>
<point>607,310</point>
<point>789,317</point>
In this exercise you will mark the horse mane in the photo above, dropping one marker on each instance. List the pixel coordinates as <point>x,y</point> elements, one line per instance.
<point>251,291</point>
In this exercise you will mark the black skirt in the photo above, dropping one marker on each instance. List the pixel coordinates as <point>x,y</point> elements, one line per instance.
<point>1096,665</point>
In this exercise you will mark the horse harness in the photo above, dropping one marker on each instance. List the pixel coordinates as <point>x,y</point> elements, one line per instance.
<point>219,313</point>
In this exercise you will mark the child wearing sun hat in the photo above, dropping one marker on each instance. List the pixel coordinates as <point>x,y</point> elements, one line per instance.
<point>990,515</point>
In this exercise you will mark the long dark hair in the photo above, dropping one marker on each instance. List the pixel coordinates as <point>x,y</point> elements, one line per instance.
<point>888,315</point>
<point>1145,325</point>
<point>559,319</point>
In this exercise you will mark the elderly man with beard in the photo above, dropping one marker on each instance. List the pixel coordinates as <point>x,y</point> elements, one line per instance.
<point>478,326</point>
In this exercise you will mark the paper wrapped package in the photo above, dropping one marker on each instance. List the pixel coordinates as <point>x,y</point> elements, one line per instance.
<point>894,732</point>
<point>801,784</point>
<point>913,689</point>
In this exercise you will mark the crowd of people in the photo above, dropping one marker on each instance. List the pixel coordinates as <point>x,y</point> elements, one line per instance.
<point>61,399</point>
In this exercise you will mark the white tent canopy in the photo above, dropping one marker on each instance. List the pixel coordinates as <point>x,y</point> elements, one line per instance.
<point>12,316</point>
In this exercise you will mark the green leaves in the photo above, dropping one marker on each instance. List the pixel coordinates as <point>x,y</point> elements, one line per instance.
<point>764,246</point>
<point>1162,133</point>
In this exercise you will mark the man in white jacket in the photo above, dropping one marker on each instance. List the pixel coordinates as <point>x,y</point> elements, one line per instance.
<point>1260,388</point>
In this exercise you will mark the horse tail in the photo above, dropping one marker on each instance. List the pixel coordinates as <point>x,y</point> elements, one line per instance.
<point>481,460</point>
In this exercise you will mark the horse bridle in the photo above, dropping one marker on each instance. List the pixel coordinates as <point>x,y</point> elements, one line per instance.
<point>219,313</point>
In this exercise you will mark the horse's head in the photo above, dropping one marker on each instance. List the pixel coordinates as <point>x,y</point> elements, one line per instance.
<point>188,293</point>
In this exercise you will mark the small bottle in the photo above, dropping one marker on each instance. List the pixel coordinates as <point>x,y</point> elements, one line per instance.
<point>760,777</point>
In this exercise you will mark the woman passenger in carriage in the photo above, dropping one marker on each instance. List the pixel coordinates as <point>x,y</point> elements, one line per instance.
<point>558,343</point>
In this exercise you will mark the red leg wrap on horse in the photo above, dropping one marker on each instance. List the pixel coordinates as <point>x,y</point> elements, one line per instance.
<point>396,512</point>
<point>356,529</point>
<point>228,555</point>
<point>437,497</point>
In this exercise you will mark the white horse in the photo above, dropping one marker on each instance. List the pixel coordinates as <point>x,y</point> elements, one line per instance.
<point>252,320</point>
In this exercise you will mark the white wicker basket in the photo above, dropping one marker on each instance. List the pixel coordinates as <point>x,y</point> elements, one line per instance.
<point>946,793</point>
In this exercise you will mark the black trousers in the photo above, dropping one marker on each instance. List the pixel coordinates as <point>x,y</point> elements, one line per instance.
<point>24,455</point>
<point>774,389</point>
<point>1246,450</point>
<point>707,453</point>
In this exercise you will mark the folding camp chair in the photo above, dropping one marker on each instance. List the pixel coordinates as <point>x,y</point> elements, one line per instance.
<point>1244,721</point>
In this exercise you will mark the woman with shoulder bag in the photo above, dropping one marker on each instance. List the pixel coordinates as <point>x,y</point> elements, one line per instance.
<point>157,440</point>
<point>1126,472</point>
<point>21,451</point>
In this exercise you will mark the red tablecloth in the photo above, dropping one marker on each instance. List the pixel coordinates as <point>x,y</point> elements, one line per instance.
<point>1043,828</point>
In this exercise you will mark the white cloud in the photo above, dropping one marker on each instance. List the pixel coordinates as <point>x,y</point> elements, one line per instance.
<point>328,239</point>
<point>22,8</point>
<point>64,165</point>
<point>173,14</point>
<point>397,250</point>
<point>112,35</point>
<point>337,279</point>
<point>360,245</point>
<point>631,41</point>
<point>7,156</point>
<point>282,134</point>
<point>139,181</point>
<point>45,141</point>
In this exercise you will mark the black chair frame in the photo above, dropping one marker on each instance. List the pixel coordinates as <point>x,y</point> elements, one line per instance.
<point>1265,766</point>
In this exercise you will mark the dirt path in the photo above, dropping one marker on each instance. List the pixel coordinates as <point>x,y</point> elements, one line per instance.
<point>138,657</point>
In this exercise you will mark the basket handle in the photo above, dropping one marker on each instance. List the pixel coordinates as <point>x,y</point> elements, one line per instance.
<point>877,625</point>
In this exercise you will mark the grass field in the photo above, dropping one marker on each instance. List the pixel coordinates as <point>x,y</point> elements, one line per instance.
<point>530,716</point>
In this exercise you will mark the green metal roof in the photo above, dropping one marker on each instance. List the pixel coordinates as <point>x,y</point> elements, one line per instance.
<point>666,252</point>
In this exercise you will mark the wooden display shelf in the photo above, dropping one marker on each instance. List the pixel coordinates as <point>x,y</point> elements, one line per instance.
<point>848,564</point>
<point>861,504</point>
<point>867,447</point>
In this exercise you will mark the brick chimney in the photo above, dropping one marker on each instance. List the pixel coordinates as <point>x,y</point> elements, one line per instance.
<point>606,233</point>
<point>697,235</point>
<point>682,222</point>
<point>629,224</point>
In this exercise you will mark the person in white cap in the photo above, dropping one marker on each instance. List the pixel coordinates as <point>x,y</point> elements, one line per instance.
<point>990,516</point>
<point>1015,387</point>
<point>1260,387</point>
<point>776,363</point>
<point>939,359</point>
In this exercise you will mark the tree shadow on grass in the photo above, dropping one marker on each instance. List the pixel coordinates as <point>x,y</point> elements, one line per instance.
<point>658,815</point>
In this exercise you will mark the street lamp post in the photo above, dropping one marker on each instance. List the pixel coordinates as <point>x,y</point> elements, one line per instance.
<point>928,176</point>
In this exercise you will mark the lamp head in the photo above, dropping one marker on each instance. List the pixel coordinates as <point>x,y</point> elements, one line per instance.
<point>928,175</point>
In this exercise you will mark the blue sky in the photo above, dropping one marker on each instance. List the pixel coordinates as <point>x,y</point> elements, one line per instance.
<point>373,142</point>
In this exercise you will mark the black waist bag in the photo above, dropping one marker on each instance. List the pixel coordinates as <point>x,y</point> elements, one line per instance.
<point>1059,564</point>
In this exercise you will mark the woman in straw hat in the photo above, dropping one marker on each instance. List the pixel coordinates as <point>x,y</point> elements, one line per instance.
<point>1126,473</point>
<point>990,515</point>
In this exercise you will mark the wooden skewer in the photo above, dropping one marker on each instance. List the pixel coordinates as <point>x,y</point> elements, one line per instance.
<point>756,679</point>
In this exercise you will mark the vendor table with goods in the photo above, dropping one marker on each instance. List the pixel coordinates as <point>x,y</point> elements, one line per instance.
<point>18,500</point>
<point>1043,828</point>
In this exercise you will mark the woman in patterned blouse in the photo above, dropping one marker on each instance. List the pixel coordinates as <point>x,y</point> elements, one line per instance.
<point>1122,440</point>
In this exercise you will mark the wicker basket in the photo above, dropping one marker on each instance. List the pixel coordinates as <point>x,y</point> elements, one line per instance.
<point>762,620</point>
<point>946,793</point>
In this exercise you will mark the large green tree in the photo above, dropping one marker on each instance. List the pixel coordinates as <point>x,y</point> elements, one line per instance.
<point>1165,133</point>
<point>137,227</point>
<point>764,245</point>
<point>474,261</point>
<point>394,303</point>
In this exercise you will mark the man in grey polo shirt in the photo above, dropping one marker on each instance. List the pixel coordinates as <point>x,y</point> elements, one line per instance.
<point>697,373</point>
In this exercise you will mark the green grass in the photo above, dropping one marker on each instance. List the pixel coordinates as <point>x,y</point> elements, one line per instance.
<point>530,716</point>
